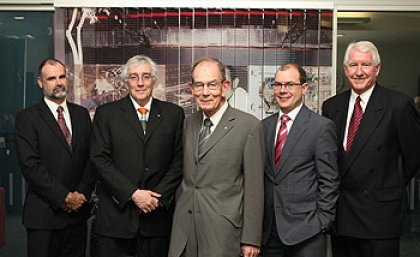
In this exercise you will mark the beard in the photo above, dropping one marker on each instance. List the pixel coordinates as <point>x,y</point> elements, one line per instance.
<point>59,92</point>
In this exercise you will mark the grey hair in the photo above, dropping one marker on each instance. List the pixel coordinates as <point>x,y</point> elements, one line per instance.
<point>364,47</point>
<point>138,60</point>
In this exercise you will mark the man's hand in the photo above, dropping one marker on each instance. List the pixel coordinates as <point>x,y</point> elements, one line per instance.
<point>250,250</point>
<point>146,200</point>
<point>73,201</point>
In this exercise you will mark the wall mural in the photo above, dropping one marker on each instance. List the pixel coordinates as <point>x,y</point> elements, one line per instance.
<point>251,42</point>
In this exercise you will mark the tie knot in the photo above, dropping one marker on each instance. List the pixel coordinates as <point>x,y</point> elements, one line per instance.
<point>207,122</point>
<point>285,118</point>
<point>60,109</point>
<point>358,99</point>
<point>142,110</point>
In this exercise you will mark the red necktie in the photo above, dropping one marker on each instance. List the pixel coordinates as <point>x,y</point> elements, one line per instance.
<point>354,123</point>
<point>63,126</point>
<point>281,138</point>
<point>143,120</point>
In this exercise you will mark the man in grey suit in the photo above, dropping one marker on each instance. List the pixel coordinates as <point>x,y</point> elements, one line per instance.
<point>220,206</point>
<point>301,174</point>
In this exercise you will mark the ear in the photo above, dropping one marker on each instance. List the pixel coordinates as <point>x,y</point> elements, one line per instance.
<point>39,80</point>
<point>226,87</point>
<point>305,88</point>
<point>378,68</point>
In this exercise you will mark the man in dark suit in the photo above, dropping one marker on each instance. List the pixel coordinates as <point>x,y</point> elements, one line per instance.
<point>219,210</point>
<point>137,151</point>
<point>52,140</point>
<point>301,173</point>
<point>379,137</point>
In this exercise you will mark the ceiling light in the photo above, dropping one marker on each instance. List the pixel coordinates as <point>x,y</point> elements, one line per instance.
<point>353,20</point>
<point>19,18</point>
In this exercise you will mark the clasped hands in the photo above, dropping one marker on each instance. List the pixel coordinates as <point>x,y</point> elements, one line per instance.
<point>73,201</point>
<point>146,200</point>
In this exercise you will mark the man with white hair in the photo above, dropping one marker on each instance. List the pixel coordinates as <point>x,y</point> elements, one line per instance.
<point>379,135</point>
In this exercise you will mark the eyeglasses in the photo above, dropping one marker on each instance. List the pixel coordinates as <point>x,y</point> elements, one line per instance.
<point>212,85</point>
<point>287,85</point>
<point>145,77</point>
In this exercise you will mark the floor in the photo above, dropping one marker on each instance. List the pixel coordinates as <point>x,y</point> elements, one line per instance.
<point>15,244</point>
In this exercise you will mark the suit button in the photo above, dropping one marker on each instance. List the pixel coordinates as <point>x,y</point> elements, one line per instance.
<point>197,187</point>
<point>146,169</point>
<point>189,211</point>
<point>365,192</point>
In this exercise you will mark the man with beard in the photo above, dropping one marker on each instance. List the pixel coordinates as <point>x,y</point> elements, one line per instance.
<point>52,140</point>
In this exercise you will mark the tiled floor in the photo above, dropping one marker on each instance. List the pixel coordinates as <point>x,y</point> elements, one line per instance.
<point>15,244</point>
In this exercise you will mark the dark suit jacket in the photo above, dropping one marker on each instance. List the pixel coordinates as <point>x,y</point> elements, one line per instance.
<point>127,160</point>
<point>221,194</point>
<point>303,190</point>
<point>372,190</point>
<point>50,168</point>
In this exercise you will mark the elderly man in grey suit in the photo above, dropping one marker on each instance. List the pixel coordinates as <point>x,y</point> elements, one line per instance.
<point>220,207</point>
<point>301,174</point>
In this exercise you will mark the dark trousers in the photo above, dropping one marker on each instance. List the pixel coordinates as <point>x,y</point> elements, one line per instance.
<point>136,247</point>
<point>315,246</point>
<point>343,246</point>
<point>67,242</point>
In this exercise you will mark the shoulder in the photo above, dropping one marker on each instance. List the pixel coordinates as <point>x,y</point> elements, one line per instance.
<point>111,106</point>
<point>244,117</point>
<point>168,106</point>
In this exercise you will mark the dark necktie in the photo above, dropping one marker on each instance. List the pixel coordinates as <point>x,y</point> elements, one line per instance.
<point>281,138</point>
<point>143,120</point>
<point>354,123</point>
<point>63,126</point>
<point>204,134</point>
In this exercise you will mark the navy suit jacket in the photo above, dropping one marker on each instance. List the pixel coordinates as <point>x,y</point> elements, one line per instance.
<point>384,157</point>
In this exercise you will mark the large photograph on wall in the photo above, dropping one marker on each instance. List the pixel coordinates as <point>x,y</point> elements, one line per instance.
<point>253,43</point>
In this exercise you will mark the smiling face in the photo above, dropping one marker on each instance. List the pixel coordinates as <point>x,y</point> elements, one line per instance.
<point>140,83</point>
<point>53,82</point>
<point>289,98</point>
<point>360,70</point>
<point>208,88</point>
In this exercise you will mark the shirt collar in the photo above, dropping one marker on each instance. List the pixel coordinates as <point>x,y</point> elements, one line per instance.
<point>292,115</point>
<point>53,105</point>
<point>364,97</point>
<point>215,118</point>
<point>147,106</point>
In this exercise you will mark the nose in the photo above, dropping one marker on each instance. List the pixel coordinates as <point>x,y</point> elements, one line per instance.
<point>359,70</point>
<point>206,90</point>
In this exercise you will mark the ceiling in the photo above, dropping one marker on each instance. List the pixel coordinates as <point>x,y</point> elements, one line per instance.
<point>384,27</point>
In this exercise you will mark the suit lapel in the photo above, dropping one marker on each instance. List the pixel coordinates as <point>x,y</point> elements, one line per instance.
<point>225,125</point>
<point>295,134</point>
<point>196,120</point>
<point>52,123</point>
<point>270,140</point>
<point>155,118</point>
<point>341,117</point>
<point>130,116</point>
<point>75,125</point>
<point>371,119</point>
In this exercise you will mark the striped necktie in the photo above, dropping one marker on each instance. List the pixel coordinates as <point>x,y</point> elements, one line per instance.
<point>354,123</point>
<point>281,138</point>
<point>204,134</point>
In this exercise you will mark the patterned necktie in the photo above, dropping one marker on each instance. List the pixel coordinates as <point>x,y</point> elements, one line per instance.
<point>143,120</point>
<point>281,138</point>
<point>354,123</point>
<point>204,134</point>
<point>63,126</point>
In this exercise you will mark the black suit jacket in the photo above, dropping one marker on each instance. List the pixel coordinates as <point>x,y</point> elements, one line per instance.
<point>50,168</point>
<point>127,160</point>
<point>373,181</point>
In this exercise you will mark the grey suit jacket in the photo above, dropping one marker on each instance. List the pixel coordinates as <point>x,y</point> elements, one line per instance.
<point>221,194</point>
<point>303,190</point>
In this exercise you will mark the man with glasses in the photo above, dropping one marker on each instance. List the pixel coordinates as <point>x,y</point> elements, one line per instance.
<point>301,174</point>
<point>137,151</point>
<point>378,131</point>
<point>220,206</point>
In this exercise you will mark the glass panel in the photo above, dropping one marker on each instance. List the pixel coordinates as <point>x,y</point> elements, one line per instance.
<point>25,40</point>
